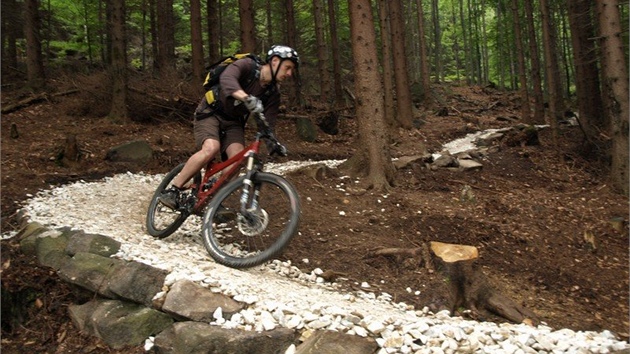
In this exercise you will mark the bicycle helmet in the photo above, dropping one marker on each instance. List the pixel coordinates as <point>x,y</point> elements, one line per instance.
<point>283,52</point>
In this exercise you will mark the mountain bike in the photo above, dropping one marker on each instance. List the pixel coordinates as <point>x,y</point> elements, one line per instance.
<point>248,216</point>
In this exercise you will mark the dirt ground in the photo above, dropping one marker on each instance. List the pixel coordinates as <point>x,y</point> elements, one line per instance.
<point>540,216</point>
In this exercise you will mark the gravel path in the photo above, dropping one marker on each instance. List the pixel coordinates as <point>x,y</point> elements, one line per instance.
<point>116,207</point>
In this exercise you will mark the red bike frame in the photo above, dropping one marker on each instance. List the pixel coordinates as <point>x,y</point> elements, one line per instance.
<point>214,167</point>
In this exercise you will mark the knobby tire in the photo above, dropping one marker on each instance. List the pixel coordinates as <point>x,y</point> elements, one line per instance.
<point>244,245</point>
<point>162,221</point>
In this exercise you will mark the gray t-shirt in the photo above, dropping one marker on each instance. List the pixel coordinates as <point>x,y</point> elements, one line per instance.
<point>232,79</point>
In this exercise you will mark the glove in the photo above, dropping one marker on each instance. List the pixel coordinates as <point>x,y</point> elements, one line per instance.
<point>276,148</point>
<point>253,104</point>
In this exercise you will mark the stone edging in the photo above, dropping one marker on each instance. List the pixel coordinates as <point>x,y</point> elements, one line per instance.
<point>126,311</point>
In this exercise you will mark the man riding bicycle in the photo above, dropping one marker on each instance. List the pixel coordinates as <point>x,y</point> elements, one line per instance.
<point>221,126</point>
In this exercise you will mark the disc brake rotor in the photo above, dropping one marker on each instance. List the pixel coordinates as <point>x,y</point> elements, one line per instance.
<point>253,227</point>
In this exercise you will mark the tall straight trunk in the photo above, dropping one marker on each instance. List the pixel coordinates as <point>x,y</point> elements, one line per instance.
<point>9,33</point>
<point>437,39</point>
<point>467,43</point>
<point>386,63</point>
<point>143,32</point>
<point>248,27</point>
<point>551,70</point>
<point>88,32</point>
<point>485,66</point>
<point>269,25</point>
<point>520,53</point>
<point>539,107</point>
<point>404,112</point>
<point>34,61</point>
<point>474,41</point>
<point>336,59</point>
<point>153,24</point>
<point>322,51</point>
<point>500,40</point>
<point>615,72</point>
<point>587,84</point>
<point>294,91</point>
<point>214,33</point>
<point>456,45</point>
<point>165,36</point>
<point>118,68</point>
<point>550,27</point>
<point>425,71</point>
<point>564,43</point>
<point>369,104</point>
<point>196,41</point>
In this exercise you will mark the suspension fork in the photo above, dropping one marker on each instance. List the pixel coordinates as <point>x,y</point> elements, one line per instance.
<point>252,166</point>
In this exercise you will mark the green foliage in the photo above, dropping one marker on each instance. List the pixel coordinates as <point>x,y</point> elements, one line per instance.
<point>78,26</point>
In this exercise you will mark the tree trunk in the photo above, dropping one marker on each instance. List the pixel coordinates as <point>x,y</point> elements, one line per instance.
<point>587,85</point>
<point>214,34</point>
<point>404,112</point>
<point>269,25</point>
<point>467,44</point>
<point>118,68</point>
<point>196,41</point>
<point>9,32</point>
<point>386,62</point>
<point>154,34</point>
<point>615,72</point>
<point>539,108</point>
<point>425,71</point>
<point>322,51</point>
<point>248,26</point>
<point>369,102</point>
<point>552,71</point>
<point>166,37</point>
<point>294,89</point>
<point>437,40</point>
<point>336,59</point>
<point>34,62</point>
<point>520,52</point>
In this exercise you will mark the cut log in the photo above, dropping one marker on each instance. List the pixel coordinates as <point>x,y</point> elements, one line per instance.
<point>471,289</point>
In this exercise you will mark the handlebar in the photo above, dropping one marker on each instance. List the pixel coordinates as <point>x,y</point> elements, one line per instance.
<point>264,132</point>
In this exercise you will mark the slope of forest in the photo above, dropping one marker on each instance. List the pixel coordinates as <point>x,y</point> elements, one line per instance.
<point>543,217</point>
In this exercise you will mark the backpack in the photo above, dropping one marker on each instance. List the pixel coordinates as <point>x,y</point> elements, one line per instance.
<point>211,84</point>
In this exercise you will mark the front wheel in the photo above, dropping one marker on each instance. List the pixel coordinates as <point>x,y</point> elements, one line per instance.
<point>242,240</point>
<point>161,220</point>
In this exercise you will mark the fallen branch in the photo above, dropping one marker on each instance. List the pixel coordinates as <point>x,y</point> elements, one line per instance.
<point>35,99</point>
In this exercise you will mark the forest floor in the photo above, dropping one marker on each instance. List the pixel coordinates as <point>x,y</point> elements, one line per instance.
<point>542,216</point>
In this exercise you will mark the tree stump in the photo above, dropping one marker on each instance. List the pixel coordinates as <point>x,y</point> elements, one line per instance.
<point>14,131</point>
<point>70,153</point>
<point>470,288</point>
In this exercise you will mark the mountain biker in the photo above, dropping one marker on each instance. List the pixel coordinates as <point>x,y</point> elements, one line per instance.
<point>223,128</point>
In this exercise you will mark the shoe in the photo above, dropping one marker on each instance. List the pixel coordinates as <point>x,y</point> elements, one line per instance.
<point>170,198</point>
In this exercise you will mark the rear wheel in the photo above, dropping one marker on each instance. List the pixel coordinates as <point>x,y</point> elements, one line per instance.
<point>242,240</point>
<point>161,220</point>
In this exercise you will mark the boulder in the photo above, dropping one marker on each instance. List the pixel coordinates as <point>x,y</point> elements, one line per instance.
<point>188,300</point>
<point>134,151</point>
<point>330,342</point>
<point>119,323</point>
<point>92,243</point>
<point>203,338</point>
